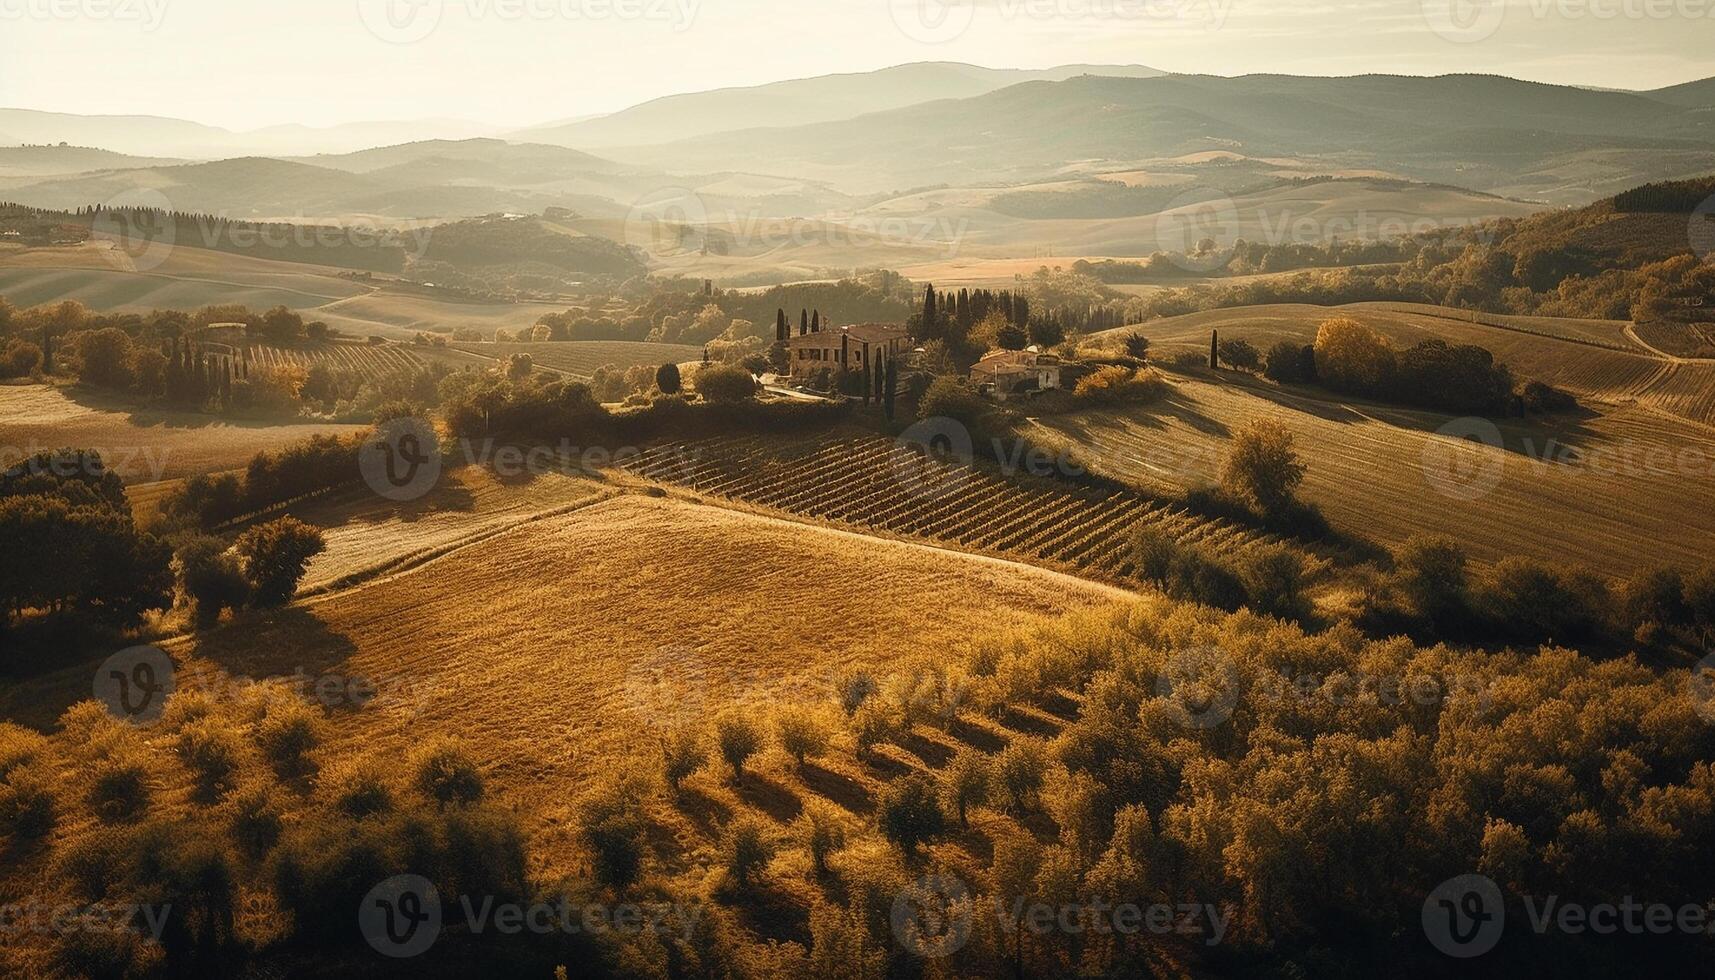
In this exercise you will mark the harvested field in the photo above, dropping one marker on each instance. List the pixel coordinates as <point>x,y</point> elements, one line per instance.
<point>145,445</point>
<point>1617,491</point>
<point>367,534</point>
<point>536,646</point>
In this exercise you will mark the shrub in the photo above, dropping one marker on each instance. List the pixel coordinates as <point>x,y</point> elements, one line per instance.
<point>1430,572</point>
<point>873,724</point>
<point>1240,354</point>
<point>20,359</point>
<point>966,781</point>
<point>1699,602</point>
<point>1136,345</point>
<point>746,848</point>
<point>27,809</point>
<point>356,788</point>
<point>19,746</point>
<point>853,688</point>
<point>1262,469</point>
<point>953,398</point>
<point>211,750</point>
<point>909,813</point>
<point>1153,550</point>
<point>1529,599</point>
<point>725,383</point>
<point>119,787</point>
<point>802,733</point>
<point>1291,363</point>
<point>1115,385</point>
<point>210,578</point>
<point>256,820</point>
<point>1020,770</point>
<point>1273,579</point>
<point>1654,601</point>
<point>611,825</point>
<point>738,739</point>
<point>822,830</point>
<point>275,555</point>
<point>287,734</point>
<point>667,379</point>
<point>1195,577</point>
<point>104,357</point>
<point>1353,357</point>
<point>683,752</point>
<point>445,772</point>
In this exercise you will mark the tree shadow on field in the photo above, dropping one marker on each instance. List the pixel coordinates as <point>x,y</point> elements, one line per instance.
<point>151,416</point>
<point>976,736</point>
<point>934,754</point>
<point>769,797</point>
<point>845,792</point>
<point>274,644</point>
<point>360,506</point>
<point>1185,410</point>
<point>705,812</point>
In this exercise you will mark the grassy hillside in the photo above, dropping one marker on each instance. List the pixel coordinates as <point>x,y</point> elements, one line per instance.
<point>1593,359</point>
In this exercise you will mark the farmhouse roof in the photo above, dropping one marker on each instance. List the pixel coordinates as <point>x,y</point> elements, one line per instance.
<point>860,333</point>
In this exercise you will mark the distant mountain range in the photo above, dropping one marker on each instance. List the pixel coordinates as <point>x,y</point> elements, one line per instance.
<point>161,136</point>
<point>1555,143</point>
<point>803,101</point>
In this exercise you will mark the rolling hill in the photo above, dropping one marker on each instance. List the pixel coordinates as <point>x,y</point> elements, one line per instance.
<point>801,101</point>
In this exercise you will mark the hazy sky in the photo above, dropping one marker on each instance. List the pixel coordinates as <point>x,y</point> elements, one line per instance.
<point>249,63</point>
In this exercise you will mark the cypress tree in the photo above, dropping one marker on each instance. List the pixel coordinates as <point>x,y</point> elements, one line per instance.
<point>890,389</point>
<point>1213,336</point>
<point>47,351</point>
<point>815,321</point>
<point>803,321</point>
<point>866,378</point>
<point>780,325</point>
<point>929,311</point>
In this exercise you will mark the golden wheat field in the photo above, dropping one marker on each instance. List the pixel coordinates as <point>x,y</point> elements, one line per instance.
<point>144,445</point>
<point>562,644</point>
<point>1608,491</point>
<point>367,534</point>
